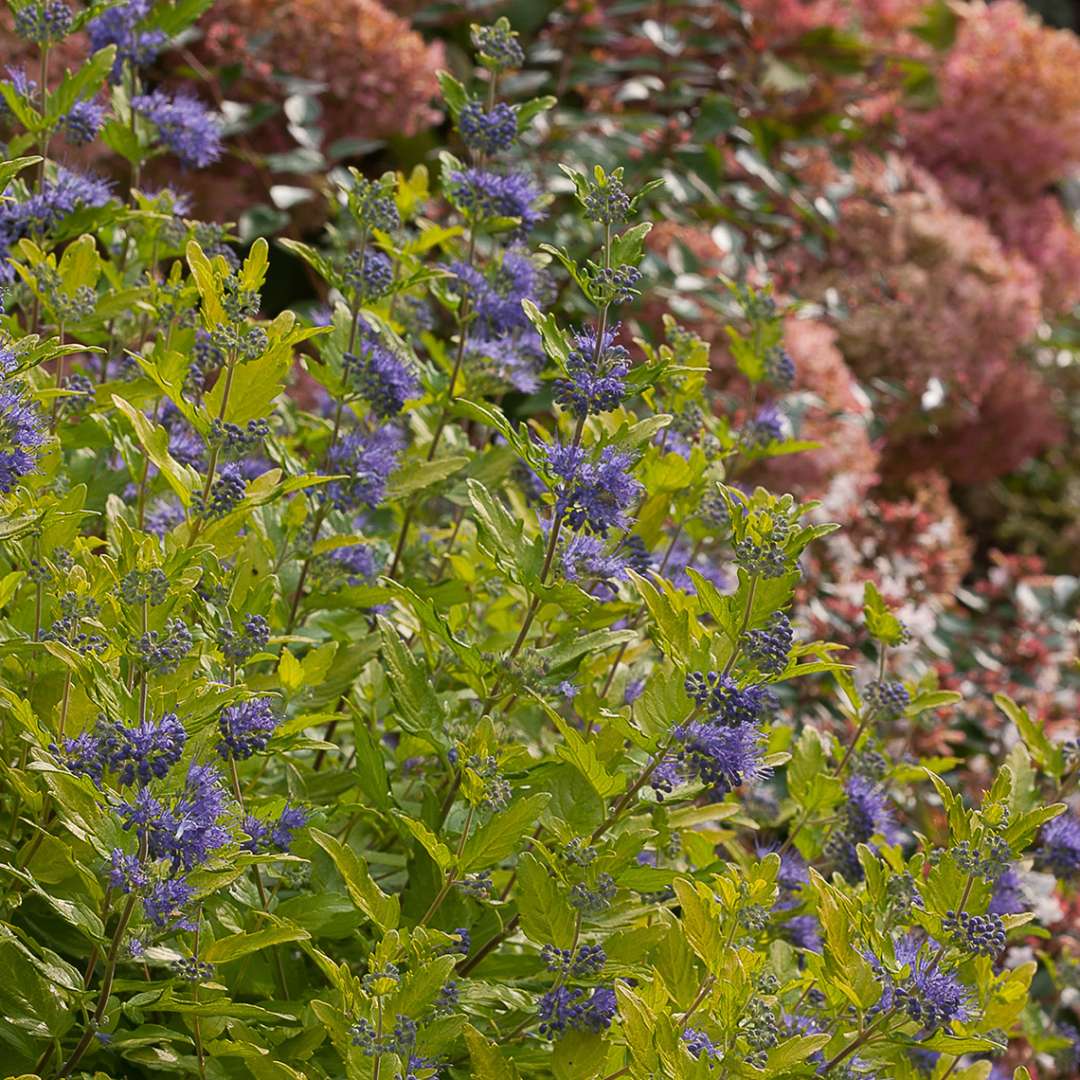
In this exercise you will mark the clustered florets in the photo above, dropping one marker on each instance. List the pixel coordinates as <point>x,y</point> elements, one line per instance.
<point>596,371</point>
<point>768,647</point>
<point>979,934</point>
<point>487,131</point>
<point>238,647</point>
<point>575,1009</point>
<point>162,651</point>
<point>587,962</point>
<point>246,728</point>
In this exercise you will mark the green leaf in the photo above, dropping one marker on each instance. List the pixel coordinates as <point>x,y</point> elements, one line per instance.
<point>881,623</point>
<point>579,1055</point>
<point>155,441</point>
<point>501,535</point>
<point>383,910</point>
<point>420,710</point>
<point>485,1058</point>
<point>10,169</point>
<point>453,92</point>
<point>493,841</point>
<point>311,256</point>
<point>1042,750</point>
<point>207,284</point>
<point>237,945</point>
<point>415,476</point>
<point>629,246</point>
<point>428,840</point>
<point>82,85</point>
<point>546,914</point>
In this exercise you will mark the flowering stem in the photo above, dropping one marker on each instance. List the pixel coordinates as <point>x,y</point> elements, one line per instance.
<point>324,505</point>
<point>855,1043</point>
<point>279,969</point>
<point>634,788</point>
<point>216,452</point>
<point>195,997</point>
<point>444,415</point>
<point>549,558</point>
<point>106,986</point>
<point>452,876</point>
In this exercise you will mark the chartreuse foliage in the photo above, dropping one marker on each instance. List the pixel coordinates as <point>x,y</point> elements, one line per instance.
<point>436,722</point>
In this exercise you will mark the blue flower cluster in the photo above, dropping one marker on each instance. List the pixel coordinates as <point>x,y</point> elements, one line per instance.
<point>277,835</point>
<point>480,195</point>
<point>44,22</point>
<point>119,26</point>
<point>574,1009</point>
<point>768,647</point>
<point>133,754</point>
<point>366,459</point>
<point>184,126</point>
<point>596,493</point>
<point>22,433</point>
<point>237,647</point>
<point>38,213</point>
<point>596,370</point>
<point>721,756</point>
<point>379,376</point>
<point>246,728</point>
<point>728,704</point>
<point>487,132</point>
<point>929,995</point>
<point>1059,846</point>
<point>864,814</point>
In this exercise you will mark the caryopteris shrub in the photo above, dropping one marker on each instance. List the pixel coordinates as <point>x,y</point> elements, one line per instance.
<point>410,689</point>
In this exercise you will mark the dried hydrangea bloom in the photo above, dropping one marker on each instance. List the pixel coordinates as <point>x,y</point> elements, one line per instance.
<point>379,74</point>
<point>1007,82</point>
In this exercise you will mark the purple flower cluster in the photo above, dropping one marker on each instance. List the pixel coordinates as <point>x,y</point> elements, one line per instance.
<point>721,756</point>
<point>586,560</point>
<point>487,132</point>
<point>574,1009</point>
<point>162,651</point>
<point>596,370</point>
<point>1059,846</point>
<point>480,194</point>
<point>119,26</point>
<point>587,962</point>
<point>22,434</point>
<point>596,492</point>
<point>43,22</point>
<point>495,297</point>
<point>134,754</point>
<point>379,376</point>
<point>239,647</point>
<point>768,647</point>
<point>246,728</point>
<point>726,703</point>
<point>274,835</point>
<point>83,122</point>
<point>928,994</point>
<point>184,125</point>
<point>865,813</point>
<point>185,830</point>
<point>366,458</point>
<point>43,211</point>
